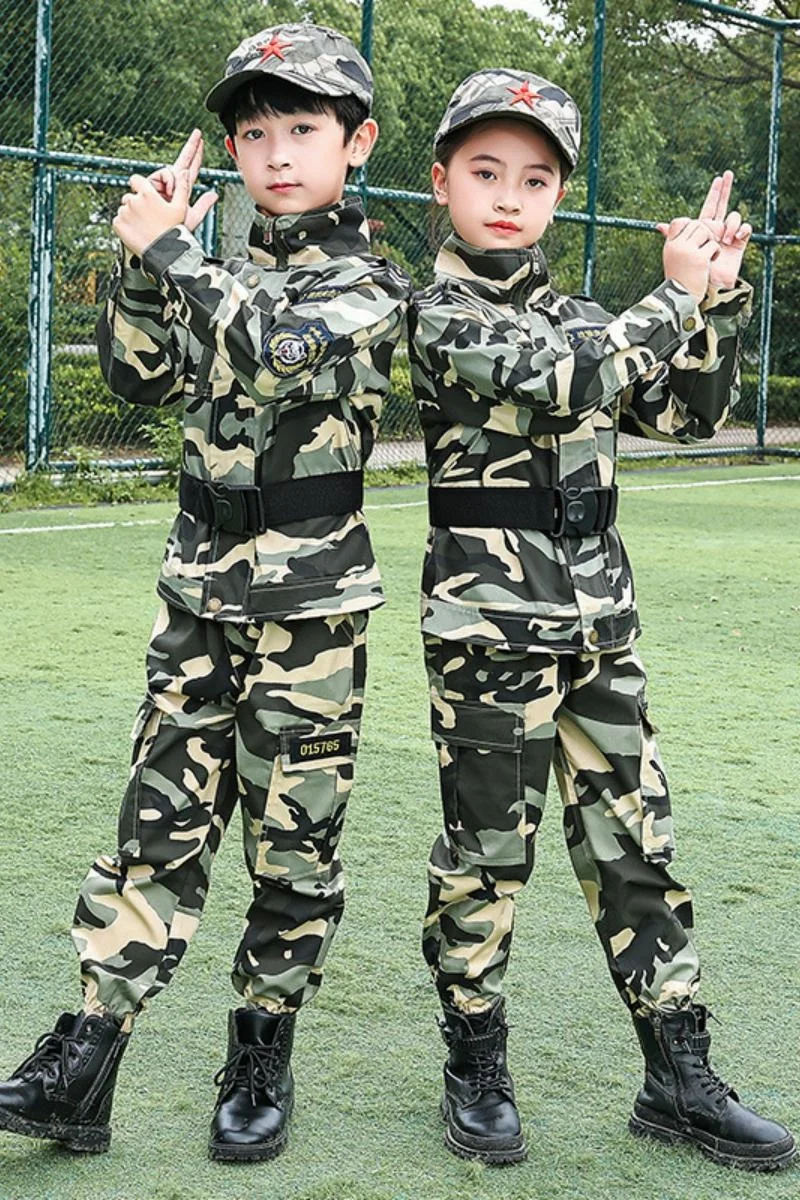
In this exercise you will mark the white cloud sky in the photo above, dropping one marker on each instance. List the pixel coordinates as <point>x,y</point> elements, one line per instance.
<point>536,8</point>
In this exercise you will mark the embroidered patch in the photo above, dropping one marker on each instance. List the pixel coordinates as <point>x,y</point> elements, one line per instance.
<point>292,350</point>
<point>588,333</point>
<point>313,747</point>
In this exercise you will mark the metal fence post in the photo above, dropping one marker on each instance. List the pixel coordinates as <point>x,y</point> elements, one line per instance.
<point>367,26</point>
<point>40,301</point>
<point>770,221</point>
<point>595,125</point>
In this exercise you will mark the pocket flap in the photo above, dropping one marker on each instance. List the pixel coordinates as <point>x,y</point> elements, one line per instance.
<point>484,726</point>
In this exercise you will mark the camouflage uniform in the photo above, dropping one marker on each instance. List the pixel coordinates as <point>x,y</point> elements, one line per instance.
<point>256,666</point>
<point>529,627</point>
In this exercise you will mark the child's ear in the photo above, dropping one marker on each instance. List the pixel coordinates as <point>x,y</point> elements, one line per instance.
<point>439,181</point>
<point>363,142</point>
<point>230,146</point>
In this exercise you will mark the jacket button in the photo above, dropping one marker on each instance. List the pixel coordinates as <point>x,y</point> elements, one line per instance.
<point>689,324</point>
<point>594,636</point>
<point>252,280</point>
<point>214,604</point>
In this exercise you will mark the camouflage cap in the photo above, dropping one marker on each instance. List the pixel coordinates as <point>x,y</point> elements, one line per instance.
<point>311,56</point>
<point>503,92</point>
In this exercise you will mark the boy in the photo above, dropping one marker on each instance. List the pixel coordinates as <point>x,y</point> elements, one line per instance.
<point>257,660</point>
<point>528,610</point>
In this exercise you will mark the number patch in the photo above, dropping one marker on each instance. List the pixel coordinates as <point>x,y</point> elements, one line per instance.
<point>314,747</point>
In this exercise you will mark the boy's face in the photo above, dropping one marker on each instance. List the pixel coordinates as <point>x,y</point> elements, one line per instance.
<point>502,185</point>
<point>292,162</point>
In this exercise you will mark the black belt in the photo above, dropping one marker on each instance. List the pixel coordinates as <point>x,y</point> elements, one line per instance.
<point>562,512</point>
<point>248,509</point>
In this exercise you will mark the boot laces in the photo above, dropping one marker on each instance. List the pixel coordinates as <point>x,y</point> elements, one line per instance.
<point>706,1076</point>
<point>54,1055</point>
<point>490,1075</point>
<point>253,1067</point>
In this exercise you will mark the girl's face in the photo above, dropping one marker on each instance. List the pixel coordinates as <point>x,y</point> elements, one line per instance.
<point>502,185</point>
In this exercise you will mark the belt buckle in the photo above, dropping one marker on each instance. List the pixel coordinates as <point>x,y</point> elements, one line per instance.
<point>221,504</point>
<point>578,511</point>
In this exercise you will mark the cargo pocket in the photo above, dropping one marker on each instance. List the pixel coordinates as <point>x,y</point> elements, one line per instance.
<point>483,793</point>
<point>165,815</point>
<point>143,735</point>
<point>311,779</point>
<point>657,840</point>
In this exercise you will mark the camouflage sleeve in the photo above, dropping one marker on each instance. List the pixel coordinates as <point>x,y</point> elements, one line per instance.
<point>273,349</point>
<point>529,363</point>
<point>142,349</point>
<point>688,399</point>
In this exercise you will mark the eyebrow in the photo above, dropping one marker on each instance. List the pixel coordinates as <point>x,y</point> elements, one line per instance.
<point>541,166</point>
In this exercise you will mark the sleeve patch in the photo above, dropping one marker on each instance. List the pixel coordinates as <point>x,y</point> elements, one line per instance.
<point>587,333</point>
<point>290,351</point>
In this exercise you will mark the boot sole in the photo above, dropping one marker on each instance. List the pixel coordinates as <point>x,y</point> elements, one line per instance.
<point>513,1151</point>
<point>725,1154</point>
<point>83,1139</point>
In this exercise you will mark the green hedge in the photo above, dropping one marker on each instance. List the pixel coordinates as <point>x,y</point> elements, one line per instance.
<point>783,398</point>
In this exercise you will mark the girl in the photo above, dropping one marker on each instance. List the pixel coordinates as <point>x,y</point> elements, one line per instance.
<point>528,610</point>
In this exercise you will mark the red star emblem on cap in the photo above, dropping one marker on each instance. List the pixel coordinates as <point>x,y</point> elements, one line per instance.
<point>524,95</point>
<point>273,49</point>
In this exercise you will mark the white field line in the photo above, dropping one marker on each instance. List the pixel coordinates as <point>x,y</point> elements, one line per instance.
<point>637,487</point>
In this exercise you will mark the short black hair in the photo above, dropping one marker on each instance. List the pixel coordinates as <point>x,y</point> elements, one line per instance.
<point>268,95</point>
<point>452,142</point>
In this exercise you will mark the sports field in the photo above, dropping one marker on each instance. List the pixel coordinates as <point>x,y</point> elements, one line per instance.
<point>715,552</point>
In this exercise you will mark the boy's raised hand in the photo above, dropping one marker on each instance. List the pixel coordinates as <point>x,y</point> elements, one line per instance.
<point>190,159</point>
<point>161,201</point>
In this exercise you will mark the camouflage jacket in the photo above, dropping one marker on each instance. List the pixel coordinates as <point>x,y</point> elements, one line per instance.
<point>519,386</point>
<point>281,361</point>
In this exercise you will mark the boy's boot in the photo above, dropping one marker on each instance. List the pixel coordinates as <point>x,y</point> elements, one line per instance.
<point>478,1103</point>
<point>684,1100</point>
<point>65,1089</point>
<point>256,1088</point>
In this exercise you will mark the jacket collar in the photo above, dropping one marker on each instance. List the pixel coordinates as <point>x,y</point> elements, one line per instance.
<point>505,276</point>
<point>302,239</point>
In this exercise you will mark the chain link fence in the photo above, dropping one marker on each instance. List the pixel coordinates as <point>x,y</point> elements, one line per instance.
<point>671,93</point>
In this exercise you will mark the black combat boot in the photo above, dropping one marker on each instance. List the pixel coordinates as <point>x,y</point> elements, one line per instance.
<point>65,1089</point>
<point>478,1103</point>
<point>256,1089</point>
<point>684,1100</point>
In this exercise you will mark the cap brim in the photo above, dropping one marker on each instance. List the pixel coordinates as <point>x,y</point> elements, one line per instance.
<point>221,92</point>
<point>514,115</point>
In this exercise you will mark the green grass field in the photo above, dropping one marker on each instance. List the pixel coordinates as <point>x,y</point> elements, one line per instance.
<point>717,570</point>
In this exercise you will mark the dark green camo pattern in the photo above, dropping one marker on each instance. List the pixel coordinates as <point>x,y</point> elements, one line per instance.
<point>266,714</point>
<point>499,717</point>
<point>281,360</point>
<point>519,386</point>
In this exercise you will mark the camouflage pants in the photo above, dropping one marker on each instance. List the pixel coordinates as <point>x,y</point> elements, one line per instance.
<point>267,713</point>
<point>498,719</point>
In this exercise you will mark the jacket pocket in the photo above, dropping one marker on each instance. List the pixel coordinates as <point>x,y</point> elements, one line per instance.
<point>480,766</point>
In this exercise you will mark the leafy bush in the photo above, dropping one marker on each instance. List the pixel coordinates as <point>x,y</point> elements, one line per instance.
<point>83,410</point>
<point>400,419</point>
<point>783,398</point>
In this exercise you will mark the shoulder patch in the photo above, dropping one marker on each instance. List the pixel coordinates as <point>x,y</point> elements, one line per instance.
<point>289,351</point>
